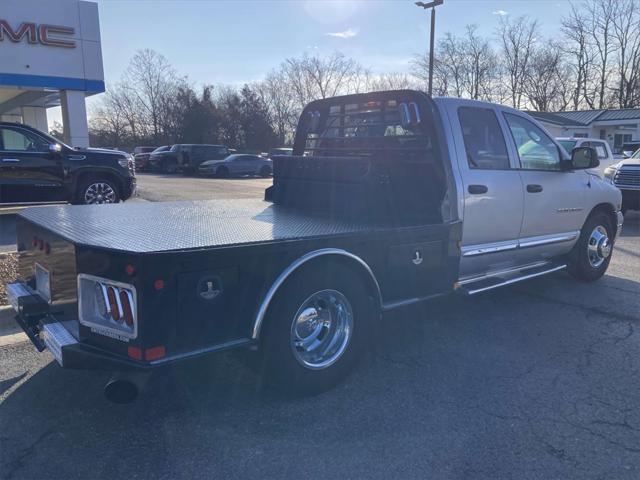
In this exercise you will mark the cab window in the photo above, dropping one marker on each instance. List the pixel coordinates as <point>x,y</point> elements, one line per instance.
<point>535,148</point>
<point>483,139</point>
<point>600,148</point>
<point>21,141</point>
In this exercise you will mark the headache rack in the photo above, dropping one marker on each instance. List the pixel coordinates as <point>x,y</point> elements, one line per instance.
<point>365,155</point>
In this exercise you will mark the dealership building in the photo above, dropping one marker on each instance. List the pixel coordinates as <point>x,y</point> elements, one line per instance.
<point>50,55</point>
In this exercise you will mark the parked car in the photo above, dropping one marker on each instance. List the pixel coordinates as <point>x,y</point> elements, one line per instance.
<point>237,164</point>
<point>142,158</point>
<point>411,198</point>
<point>280,151</point>
<point>186,157</point>
<point>605,155</point>
<point>137,150</point>
<point>626,176</point>
<point>36,167</point>
<point>629,148</point>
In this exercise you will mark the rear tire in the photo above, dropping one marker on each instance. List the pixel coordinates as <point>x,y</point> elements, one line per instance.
<point>316,329</point>
<point>590,257</point>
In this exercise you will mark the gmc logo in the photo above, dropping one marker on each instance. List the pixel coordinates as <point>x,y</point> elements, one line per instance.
<point>37,34</point>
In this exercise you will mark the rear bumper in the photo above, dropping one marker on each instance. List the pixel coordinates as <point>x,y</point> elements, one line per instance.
<point>47,332</point>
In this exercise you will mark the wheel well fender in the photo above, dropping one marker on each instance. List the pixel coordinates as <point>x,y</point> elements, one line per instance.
<point>609,210</point>
<point>84,175</point>
<point>344,257</point>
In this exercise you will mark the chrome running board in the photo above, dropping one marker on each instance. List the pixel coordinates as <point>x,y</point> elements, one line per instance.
<point>489,283</point>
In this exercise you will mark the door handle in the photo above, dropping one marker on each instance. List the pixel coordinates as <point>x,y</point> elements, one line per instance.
<point>534,188</point>
<point>11,160</point>
<point>477,189</point>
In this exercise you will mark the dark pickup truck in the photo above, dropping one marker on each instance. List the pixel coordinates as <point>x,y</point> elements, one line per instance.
<point>364,217</point>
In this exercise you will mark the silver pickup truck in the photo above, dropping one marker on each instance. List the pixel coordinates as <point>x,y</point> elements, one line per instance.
<point>389,199</point>
<point>522,200</point>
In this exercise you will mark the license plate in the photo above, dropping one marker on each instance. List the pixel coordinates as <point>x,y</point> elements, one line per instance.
<point>55,337</point>
<point>43,282</point>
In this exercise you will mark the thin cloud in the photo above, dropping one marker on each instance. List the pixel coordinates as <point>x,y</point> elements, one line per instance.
<point>348,33</point>
<point>501,13</point>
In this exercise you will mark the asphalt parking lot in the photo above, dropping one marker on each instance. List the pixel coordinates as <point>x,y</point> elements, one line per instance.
<point>536,381</point>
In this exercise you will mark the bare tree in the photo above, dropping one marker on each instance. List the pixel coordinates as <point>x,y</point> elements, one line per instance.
<point>315,77</point>
<point>576,46</point>
<point>281,104</point>
<point>448,74</point>
<point>153,83</point>
<point>544,87</point>
<point>626,33</point>
<point>600,14</point>
<point>517,39</point>
<point>479,65</point>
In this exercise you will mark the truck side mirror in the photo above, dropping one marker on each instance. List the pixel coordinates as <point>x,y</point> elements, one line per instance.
<point>55,148</point>
<point>583,158</point>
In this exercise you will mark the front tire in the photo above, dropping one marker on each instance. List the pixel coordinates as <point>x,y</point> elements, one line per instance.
<point>316,329</point>
<point>97,191</point>
<point>590,257</point>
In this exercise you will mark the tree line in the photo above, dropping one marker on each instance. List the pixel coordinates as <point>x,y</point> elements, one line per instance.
<point>593,63</point>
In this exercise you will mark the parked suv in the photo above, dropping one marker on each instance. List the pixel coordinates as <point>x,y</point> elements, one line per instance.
<point>36,167</point>
<point>142,158</point>
<point>183,157</point>
<point>626,176</point>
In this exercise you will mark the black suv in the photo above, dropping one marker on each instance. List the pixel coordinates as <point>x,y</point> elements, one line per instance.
<point>36,167</point>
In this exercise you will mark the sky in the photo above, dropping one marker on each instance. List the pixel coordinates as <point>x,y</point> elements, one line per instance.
<point>232,42</point>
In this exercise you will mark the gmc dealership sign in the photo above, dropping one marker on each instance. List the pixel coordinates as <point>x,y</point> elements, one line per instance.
<point>49,35</point>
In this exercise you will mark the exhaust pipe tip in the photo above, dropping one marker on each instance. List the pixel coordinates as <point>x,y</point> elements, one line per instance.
<point>120,391</point>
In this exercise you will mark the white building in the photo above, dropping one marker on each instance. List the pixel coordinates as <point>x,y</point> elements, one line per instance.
<point>614,126</point>
<point>50,55</point>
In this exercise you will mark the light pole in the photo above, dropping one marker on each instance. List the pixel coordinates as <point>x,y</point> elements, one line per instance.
<point>432,5</point>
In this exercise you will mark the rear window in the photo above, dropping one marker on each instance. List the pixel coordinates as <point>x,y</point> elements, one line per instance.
<point>364,129</point>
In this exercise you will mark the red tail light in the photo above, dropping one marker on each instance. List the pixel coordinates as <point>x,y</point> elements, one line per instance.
<point>126,307</point>
<point>107,305</point>
<point>135,353</point>
<point>113,303</point>
<point>154,353</point>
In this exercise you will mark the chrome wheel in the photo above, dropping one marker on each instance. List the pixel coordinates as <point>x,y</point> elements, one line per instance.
<point>99,192</point>
<point>598,246</point>
<point>321,329</point>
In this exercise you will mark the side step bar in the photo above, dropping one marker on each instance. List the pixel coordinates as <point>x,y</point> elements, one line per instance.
<point>489,283</point>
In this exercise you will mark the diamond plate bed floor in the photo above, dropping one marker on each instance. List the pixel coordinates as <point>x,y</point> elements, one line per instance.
<point>158,227</point>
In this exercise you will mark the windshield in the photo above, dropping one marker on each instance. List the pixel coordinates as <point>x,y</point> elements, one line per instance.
<point>161,149</point>
<point>568,145</point>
